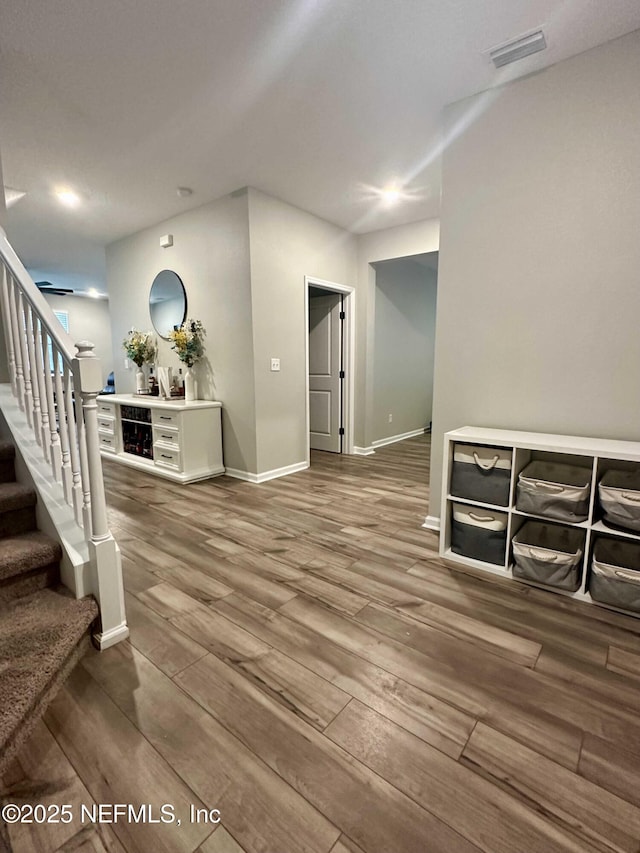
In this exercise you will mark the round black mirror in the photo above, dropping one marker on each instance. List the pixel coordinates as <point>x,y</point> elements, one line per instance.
<point>167,302</point>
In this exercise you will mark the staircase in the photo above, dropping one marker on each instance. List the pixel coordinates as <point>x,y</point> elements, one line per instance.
<point>44,630</point>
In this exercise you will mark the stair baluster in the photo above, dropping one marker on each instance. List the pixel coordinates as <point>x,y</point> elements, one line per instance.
<point>8,331</point>
<point>55,451</point>
<point>63,427</point>
<point>42,391</point>
<point>17,343</point>
<point>33,370</point>
<point>76,476</point>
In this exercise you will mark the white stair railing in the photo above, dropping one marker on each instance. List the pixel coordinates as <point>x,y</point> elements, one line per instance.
<point>56,384</point>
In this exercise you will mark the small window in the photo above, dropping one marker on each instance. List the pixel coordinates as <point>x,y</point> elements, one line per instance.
<point>63,317</point>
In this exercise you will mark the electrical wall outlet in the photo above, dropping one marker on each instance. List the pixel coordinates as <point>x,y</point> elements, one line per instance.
<point>275,364</point>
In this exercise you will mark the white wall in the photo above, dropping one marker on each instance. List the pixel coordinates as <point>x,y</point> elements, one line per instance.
<point>400,242</point>
<point>287,244</point>
<point>210,253</point>
<point>404,337</point>
<point>89,320</point>
<point>539,282</point>
<point>3,206</point>
<point>243,260</point>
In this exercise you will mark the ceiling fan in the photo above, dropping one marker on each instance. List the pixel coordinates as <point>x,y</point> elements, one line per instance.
<point>47,287</point>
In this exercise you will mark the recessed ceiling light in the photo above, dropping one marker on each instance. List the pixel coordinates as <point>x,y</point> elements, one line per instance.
<point>184,192</point>
<point>67,197</point>
<point>11,196</point>
<point>391,195</point>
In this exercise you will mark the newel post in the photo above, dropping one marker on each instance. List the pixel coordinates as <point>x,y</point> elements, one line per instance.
<point>103,549</point>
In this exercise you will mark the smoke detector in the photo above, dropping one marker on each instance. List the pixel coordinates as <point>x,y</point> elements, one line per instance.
<point>518,48</point>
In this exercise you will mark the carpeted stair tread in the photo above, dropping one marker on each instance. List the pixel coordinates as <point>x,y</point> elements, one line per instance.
<point>39,635</point>
<point>16,496</point>
<point>26,552</point>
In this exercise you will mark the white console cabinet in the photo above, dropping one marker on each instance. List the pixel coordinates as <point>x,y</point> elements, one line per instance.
<point>171,438</point>
<point>596,455</point>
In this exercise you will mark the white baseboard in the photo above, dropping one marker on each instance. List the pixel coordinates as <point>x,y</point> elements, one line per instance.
<point>237,474</point>
<point>250,477</point>
<point>363,451</point>
<point>381,442</point>
<point>105,639</point>
<point>432,522</point>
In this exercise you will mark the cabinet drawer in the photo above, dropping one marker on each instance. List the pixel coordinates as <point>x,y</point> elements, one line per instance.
<point>106,425</point>
<point>105,409</point>
<point>165,457</point>
<point>165,418</point>
<point>166,436</point>
<point>108,442</point>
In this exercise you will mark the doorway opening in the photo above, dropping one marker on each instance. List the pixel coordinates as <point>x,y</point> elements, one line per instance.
<point>402,364</point>
<point>330,324</point>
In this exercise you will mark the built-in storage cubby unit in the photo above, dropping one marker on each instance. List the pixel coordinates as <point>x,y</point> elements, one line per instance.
<point>137,433</point>
<point>558,512</point>
<point>171,438</point>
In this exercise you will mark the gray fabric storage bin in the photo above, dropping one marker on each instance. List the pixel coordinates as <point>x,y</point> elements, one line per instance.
<point>479,533</point>
<point>481,473</point>
<point>554,490</point>
<point>549,554</point>
<point>619,493</point>
<point>615,573</point>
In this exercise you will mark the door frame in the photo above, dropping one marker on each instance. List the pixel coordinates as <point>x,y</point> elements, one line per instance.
<point>348,342</point>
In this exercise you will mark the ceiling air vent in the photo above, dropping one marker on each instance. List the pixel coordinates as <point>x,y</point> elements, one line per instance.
<point>517,49</point>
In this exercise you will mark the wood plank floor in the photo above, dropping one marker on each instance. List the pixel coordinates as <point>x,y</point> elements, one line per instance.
<point>302,661</point>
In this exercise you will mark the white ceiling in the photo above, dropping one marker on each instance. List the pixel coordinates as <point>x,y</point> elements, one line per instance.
<point>313,101</point>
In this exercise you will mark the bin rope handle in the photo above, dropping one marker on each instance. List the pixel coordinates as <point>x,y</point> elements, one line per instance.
<point>545,558</point>
<point>634,578</point>
<point>487,466</point>
<point>552,487</point>
<point>635,497</point>
<point>481,517</point>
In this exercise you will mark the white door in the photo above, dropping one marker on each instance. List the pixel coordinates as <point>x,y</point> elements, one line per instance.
<point>325,372</point>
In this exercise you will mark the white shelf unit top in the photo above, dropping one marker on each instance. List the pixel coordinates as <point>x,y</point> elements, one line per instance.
<point>549,443</point>
<point>151,402</point>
